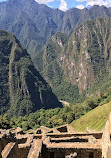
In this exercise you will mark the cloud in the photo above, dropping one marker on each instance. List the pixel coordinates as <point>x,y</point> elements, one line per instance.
<point>44,1</point>
<point>106,3</point>
<point>81,6</point>
<point>63,5</point>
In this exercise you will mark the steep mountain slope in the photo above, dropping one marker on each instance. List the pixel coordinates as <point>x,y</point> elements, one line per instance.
<point>48,62</point>
<point>34,23</point>
<point>22,89</point>
<point>88,54</point>
<point>93,120</point>
<point>82,61</point>
<point>30,21</point>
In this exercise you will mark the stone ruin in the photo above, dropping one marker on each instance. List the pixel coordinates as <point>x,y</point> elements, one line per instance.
<point>59,142</point>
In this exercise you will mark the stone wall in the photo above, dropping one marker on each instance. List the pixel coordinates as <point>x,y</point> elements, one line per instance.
<point>62,153</point>
<point>106,140</point>
<point>97,135</point>
<point>55,145</point>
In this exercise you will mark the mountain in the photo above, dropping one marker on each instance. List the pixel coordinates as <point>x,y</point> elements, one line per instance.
<point>47,59</point>
<point>31,22</point>
<point>49,63</point>
<point>82,60</point>
<point>22,89</point>
<point>87,57</point>
<point>34,23</point>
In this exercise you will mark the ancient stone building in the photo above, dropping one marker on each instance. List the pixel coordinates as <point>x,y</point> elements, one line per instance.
<point>60,142</point>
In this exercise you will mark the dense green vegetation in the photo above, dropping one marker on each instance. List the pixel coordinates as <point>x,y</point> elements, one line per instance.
<point>69,92</point>
<point>98,114</point>
<point>50,68</point>
<point>22,88</point>
<point>4,68</point>
<point>49,118</point>
<point>78,65</point>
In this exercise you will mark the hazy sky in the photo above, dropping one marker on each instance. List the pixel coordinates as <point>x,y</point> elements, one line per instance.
<point>66,4</point>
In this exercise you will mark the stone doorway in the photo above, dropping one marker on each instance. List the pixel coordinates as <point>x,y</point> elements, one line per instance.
<point>91,155</point>
<point>51,154</point>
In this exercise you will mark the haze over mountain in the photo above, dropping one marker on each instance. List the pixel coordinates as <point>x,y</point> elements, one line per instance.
<point>22,89</point>
<point>34,23</point>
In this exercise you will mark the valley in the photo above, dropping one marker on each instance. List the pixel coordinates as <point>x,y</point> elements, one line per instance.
<point>55,81</point>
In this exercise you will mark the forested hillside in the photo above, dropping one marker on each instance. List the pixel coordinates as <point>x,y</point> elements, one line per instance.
<point>34,23</point>
<point>22,89</point>
<point>80,63</point>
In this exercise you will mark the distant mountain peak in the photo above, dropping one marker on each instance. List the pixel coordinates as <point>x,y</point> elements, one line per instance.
<point>89,7</point>
<point>21,1</point>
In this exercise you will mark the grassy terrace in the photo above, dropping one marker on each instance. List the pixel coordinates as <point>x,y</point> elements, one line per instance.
<point>94,120</point>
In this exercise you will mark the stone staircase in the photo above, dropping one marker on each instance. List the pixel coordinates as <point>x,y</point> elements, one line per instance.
<point>7,150</point>
<point>35,150</point>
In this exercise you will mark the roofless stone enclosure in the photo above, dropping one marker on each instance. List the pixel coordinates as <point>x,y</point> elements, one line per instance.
<point>60,142</point>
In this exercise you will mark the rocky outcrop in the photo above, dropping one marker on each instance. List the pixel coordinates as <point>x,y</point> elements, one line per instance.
<point>23,90</point>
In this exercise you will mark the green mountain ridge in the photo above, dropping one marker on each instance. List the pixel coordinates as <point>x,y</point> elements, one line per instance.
<point>34,23</point>
<point>22,89</point>
<point>47,60</point>
<point>50,67</point>
<point>81,62</point>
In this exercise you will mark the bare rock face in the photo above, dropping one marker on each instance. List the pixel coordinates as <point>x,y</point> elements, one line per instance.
<point>22,89</point>
<point>76,60</point>
<point>86,59</point>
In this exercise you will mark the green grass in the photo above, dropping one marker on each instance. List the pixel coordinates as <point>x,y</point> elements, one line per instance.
<point>94,120</point>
